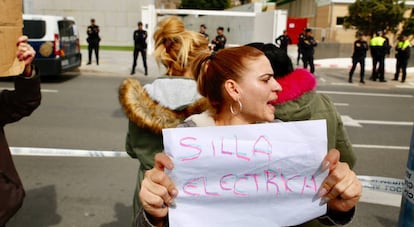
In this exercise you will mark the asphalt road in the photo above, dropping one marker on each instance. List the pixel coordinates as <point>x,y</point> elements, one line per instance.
<point>81,111</point>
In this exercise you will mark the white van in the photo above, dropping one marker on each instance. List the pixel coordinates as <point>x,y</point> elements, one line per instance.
<point>56,42</point>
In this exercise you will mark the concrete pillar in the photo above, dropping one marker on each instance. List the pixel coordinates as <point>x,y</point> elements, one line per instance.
<point>149,19</point>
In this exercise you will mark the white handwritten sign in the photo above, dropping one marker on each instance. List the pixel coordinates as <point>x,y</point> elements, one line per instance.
<point>248,175</point>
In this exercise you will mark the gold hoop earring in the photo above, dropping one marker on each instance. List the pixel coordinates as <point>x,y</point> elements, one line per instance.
<point>240,108</point>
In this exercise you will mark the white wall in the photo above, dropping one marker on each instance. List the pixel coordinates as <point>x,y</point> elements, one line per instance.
<point>238,30</point>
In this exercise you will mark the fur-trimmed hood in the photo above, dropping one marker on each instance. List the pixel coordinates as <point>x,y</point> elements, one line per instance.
<point>143,110</point>
<point>294,85</point>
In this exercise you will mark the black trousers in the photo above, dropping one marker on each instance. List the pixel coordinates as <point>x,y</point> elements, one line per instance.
<point>93,47</point>
<point>308,60</point>
<point>401,66</point>
<point>144,58</point>
<point>378,64</point>
<point>355,61</point>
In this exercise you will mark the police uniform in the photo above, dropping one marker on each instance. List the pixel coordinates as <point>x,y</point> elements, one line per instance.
<point>379,49</point>
<point>300,40</point>
<point>93,42</point>
<point>307,49</point>
<point>140,46</point>
<point>220,42</point>
<point>283,41</point>
<point>402,56</point>
<point>360,52</point>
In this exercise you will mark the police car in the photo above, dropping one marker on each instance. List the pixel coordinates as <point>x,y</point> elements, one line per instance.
<point>56,42</point>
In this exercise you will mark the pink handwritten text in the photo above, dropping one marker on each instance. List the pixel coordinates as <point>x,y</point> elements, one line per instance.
<point>230,147</point>
<point>242,185</point>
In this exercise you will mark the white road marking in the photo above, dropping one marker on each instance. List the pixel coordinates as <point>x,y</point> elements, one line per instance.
<point>49,90</point>
<point>381,147</point>
<point>56,152</point>
<point>376,190</point>
<point>41,90</point>
<point>341,104</point>
<point>349,121</point>
<point>400,123</point>
<point>366,94</point>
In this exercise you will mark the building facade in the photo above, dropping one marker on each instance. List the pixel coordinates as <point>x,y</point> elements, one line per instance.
<point>325,17</point>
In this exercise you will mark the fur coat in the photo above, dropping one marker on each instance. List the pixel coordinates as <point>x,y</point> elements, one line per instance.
<point>164,103</point>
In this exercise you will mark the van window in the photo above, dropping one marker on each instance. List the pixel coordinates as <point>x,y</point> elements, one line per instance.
<point>66,28</point>
<point>34,29</point>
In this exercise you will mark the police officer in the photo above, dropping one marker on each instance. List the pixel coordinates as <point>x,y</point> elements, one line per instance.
<point>403,54</point>
<point>93,41</point>
<point>387,43</point>
<point>283,41</point>
<point>220,40</point>
<point>300,40</point>
<point>307,49</point>
<point>379,48</point>
<point>360,52</point>
<point>203,29</point>
<point>140,46</point>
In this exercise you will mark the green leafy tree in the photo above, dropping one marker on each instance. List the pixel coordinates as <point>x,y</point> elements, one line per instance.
<point>369,16</point>
<point>408,28</point>
<point>205,4</point>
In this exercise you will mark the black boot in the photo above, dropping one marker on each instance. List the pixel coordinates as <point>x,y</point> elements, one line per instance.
<point>146,71</point>
<point>395,78</point>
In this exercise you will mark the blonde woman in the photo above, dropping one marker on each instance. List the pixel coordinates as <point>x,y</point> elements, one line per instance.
<point>175,46</point>
<point>167,101</point>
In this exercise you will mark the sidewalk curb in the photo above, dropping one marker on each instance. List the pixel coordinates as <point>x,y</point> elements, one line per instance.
<point>118,63</point>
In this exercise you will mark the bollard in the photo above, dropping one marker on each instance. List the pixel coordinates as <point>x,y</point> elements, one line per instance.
<point>406,218</point>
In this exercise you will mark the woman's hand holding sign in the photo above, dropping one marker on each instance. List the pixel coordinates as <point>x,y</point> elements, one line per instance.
<point>158,190</point>
<point>341,189</point>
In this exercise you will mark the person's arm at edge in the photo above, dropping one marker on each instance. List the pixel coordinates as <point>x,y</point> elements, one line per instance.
<point>26,96</point>
<point>27,85</point>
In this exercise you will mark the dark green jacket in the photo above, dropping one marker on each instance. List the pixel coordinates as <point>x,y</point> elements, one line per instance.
<point>298,101</point>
